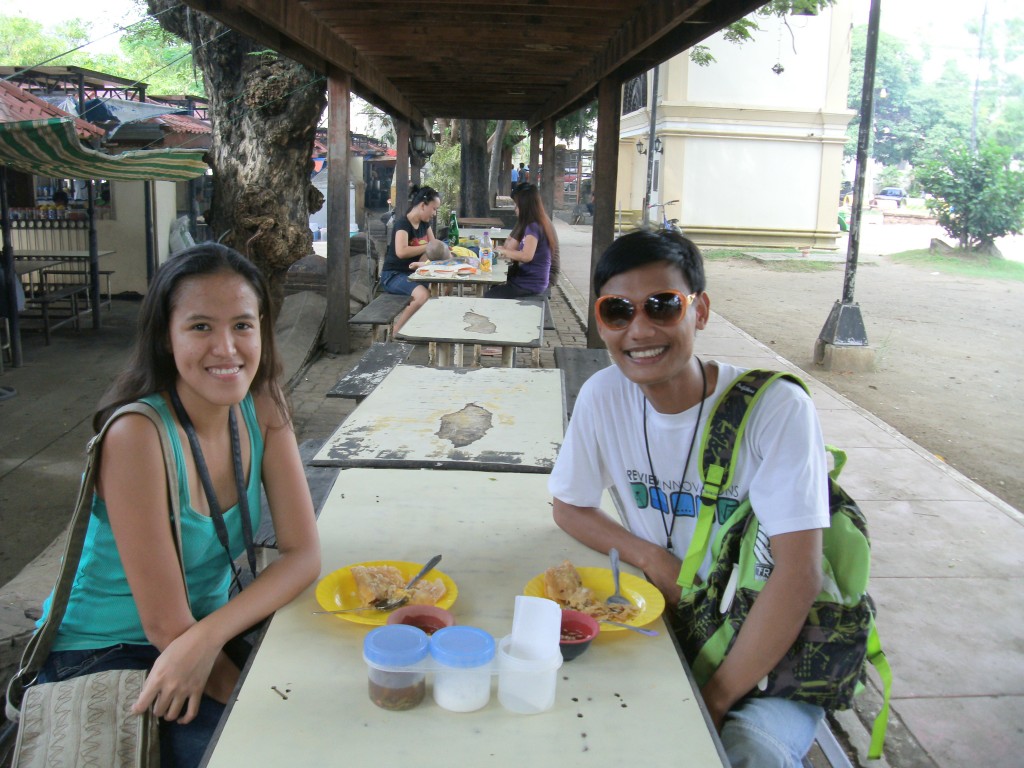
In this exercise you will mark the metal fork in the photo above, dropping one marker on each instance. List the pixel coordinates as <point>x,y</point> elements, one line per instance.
<point>616,597</point>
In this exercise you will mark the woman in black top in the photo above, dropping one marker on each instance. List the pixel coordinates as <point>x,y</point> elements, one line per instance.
<point>408,243</point>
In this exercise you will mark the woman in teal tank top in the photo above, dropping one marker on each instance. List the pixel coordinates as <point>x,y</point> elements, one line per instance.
<point>205,358</point>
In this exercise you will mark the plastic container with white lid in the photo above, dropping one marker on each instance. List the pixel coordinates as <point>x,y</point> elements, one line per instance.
<point>462,680</point>
<point>388,650</point>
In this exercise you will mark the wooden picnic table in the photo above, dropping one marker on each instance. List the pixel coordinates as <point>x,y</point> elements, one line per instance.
<point>453,321</point>
<point>435,279</point>
<point>488,419</point>
<point>629,700</point>
<point>480,223</point>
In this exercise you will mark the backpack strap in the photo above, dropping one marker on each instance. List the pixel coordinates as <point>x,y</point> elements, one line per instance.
<point>719,451</point>
<point>881,664</point>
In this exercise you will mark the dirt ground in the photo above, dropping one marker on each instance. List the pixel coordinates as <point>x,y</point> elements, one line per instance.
<point>948,352</point>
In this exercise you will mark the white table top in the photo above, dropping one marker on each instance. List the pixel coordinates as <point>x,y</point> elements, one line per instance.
<point>497,276</point>
<point>475,320</point>
<point>491,419</point>
<point>627,701</point>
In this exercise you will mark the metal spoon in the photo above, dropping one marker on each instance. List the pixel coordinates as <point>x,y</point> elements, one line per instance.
<point>391,604</point>
<point>616,597</point>
<point>640,630</point>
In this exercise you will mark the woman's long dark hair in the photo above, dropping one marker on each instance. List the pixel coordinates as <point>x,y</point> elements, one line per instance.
<point>151,367</point>
<point>531,211</point>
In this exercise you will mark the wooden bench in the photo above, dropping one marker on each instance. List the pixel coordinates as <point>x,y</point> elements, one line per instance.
<point>376,363</point>
<point>382,311</point>
<point>57,295</point>
<point>578,364</point>
<point>82,276</point>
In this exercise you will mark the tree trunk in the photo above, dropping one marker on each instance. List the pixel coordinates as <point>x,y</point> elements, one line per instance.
<point>494,172</point>
<point>264,110</point>
<point>474,169</point>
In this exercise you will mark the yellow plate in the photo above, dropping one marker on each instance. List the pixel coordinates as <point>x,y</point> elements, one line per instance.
<point>639,592</point>
<point>338,590</point>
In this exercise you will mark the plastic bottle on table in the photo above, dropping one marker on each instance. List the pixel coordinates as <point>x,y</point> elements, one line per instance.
<point>486,252</point>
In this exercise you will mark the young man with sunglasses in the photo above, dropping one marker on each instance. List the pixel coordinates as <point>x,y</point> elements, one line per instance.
<point>636,426</point>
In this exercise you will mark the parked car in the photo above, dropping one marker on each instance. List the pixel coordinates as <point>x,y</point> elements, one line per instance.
<point>890,195</point>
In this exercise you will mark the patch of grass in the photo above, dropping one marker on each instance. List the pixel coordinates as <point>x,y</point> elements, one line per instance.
<point>795,265</point>
<point>964,265</point>
<point>721,254</point>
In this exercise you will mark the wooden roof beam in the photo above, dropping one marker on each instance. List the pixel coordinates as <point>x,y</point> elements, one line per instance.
<point>291,30</point>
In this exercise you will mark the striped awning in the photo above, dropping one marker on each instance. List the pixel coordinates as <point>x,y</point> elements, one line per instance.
<point>51,148</point>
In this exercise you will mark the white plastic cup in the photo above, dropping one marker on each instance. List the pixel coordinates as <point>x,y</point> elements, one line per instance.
<point>536,627</point>
<point>526,685</point>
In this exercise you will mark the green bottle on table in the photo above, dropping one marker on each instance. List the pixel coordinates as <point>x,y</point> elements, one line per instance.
<point>453,231</point>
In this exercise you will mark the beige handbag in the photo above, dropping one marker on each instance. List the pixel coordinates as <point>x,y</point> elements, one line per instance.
<point>87,720</point>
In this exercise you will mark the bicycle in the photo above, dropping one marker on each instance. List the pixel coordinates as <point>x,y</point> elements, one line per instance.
<point>672,225</point>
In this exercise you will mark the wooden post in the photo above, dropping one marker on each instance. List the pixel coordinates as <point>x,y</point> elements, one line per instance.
<point>337,338</point>
<point>606,160</point>
<point>551,174</point>
<point>535,135</point>
<point>401,201</point>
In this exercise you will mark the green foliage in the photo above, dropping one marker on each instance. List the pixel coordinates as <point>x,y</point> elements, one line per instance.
<point>977,196</point>
<point>24,42</point>
<point>899,129</point>
<point>148,54</point>
<point>442,172</point>
<point>581,122</point>
<point>978,265</point>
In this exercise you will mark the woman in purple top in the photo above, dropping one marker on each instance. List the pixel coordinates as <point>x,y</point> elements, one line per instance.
<point>531,247</point>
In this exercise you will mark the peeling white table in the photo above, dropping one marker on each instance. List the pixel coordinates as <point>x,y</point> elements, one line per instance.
<point>453,321</point>
<point>627,701</point>
<point>491,419</point>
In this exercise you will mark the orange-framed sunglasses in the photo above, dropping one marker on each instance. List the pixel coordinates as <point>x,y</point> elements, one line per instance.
<point>665,308</point>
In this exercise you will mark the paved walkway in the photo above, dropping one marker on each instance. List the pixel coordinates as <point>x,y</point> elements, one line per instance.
<point>948,555</point>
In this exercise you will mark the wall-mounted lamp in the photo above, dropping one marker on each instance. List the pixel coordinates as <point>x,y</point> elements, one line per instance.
<point>428,147</point>
<point>641,149</point>
<point>419,142</point>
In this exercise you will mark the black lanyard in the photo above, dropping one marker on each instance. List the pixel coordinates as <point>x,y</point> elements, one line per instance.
<point>670,529</point>
<point>211,497</point>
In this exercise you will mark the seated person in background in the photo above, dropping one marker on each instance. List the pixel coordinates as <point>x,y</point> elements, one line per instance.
<point>409,240</point>
<point>634,427</point>
<point>60,198</point>
<point>532,247</point>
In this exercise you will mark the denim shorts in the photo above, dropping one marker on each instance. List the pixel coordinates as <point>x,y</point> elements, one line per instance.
<point>396,282</point>
<point>181,746</point>
<point>769,732</point>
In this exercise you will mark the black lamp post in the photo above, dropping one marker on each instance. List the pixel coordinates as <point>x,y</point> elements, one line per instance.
<point>844,327</point>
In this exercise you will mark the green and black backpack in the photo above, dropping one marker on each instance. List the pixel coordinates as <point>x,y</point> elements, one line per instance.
<point>827,665</point>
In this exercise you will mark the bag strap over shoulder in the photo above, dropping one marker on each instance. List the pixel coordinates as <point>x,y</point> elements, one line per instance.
<point>719,451</point>
<point>38,647</point>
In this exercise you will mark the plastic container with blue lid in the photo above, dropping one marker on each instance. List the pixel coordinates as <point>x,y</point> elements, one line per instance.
<point>462,681</point>
<point>388,651</point>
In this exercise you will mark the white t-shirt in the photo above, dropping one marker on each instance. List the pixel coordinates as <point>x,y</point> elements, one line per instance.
<point>781,466</point>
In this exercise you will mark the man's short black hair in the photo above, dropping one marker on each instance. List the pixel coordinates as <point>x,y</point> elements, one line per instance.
<point>646,246</point>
